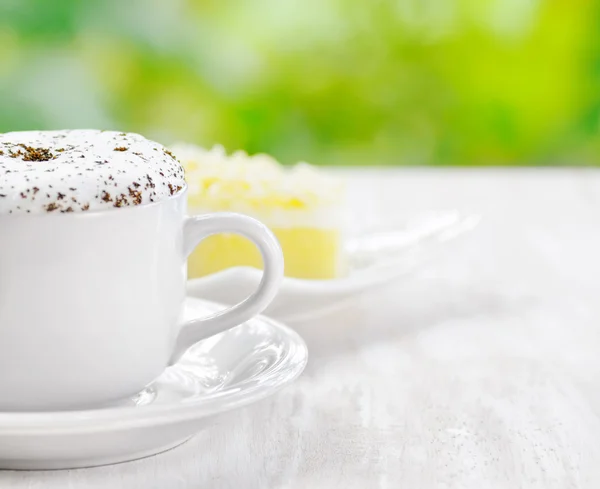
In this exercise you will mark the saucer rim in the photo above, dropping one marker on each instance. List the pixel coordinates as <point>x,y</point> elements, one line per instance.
<point>127,417</point>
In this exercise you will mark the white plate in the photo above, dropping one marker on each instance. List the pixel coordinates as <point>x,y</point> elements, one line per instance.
<point>376,257</point>
<point>224,372</point>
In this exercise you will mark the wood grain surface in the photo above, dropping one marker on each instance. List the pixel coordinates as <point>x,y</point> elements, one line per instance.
<point>482,371</point>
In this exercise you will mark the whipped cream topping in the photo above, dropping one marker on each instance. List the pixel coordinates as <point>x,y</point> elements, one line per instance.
<point>83,170</point>
<point>241,182</point>
<point>258,186</point>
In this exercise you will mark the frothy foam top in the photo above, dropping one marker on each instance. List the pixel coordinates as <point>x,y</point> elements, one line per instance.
<point>83,170</point>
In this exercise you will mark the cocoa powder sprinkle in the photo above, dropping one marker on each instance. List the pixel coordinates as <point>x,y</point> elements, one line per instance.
<point>69,167</point>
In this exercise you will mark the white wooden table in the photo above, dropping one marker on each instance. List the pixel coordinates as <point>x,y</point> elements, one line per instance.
<point>481,372</point>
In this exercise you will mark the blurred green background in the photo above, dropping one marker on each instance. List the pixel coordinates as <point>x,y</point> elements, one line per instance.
<point>338,82</point>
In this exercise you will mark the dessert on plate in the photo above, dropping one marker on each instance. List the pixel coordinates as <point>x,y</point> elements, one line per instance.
<point>301,205</point>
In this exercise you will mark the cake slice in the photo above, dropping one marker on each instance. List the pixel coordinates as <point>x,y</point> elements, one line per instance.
<point>301,205</point>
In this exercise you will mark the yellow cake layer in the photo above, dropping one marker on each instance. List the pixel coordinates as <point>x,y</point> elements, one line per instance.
<point>309,253</point>
<point>300,204</point>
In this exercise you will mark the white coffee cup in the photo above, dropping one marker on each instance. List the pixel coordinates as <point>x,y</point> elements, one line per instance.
<point>91,303</point>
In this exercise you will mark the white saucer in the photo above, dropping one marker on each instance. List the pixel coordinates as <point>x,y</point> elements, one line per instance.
<point>224,372</point>
<point>376,257</point>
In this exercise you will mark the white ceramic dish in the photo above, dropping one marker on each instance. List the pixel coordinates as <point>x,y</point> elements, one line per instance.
<point>376,257</point>
<point>224,372</point>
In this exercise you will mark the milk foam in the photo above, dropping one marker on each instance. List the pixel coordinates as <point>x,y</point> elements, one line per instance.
<point>83,170</point>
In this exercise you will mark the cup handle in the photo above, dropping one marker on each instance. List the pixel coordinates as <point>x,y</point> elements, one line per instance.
<point>197,228</point>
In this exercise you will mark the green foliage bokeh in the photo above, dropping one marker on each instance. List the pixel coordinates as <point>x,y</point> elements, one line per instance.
<point>340,82</point>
